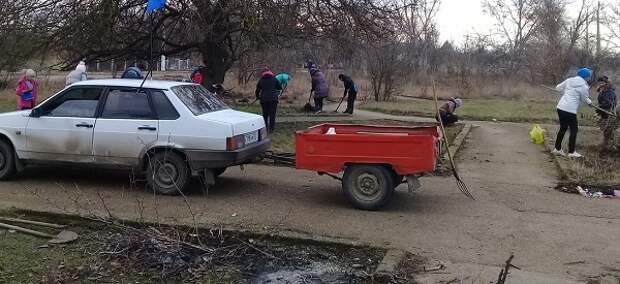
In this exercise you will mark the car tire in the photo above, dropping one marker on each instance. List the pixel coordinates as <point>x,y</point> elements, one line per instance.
<point>368,187</point>
<point>218,171</point>
<point>167,173</point>
<point>7,161</point>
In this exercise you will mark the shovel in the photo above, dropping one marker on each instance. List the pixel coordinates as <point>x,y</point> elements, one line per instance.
<point>308,106</point>
<point>62,238</point>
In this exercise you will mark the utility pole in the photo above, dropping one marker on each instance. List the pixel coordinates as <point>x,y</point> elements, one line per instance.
<point>597,56</point>
<point>598,31</point>
<point>588,50</point>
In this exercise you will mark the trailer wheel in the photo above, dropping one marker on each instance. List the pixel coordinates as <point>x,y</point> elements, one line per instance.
<point>368,187</point>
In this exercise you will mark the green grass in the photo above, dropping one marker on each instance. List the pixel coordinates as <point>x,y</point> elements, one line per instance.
<point>23,260</point>
<point>283,139</point>
<point>483,109</point>
<point>283,109</point>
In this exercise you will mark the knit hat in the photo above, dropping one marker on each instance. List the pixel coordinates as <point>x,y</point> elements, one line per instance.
<point>30,73</point>
<point>81,66</point>
<point>458,102</point>
<point>266,72</point>
<point>603,79</point>
<point>584,73</point>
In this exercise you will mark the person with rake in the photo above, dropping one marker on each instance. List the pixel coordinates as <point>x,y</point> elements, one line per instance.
<point>607,102</point>
<point>575,91</point>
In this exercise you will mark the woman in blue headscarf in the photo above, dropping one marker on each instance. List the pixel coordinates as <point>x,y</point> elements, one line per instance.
<point>575,91</point>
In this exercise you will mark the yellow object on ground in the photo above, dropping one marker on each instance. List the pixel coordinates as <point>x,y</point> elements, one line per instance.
<point>537,134</point>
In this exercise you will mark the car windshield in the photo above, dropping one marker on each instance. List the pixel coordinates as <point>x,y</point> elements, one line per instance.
<point>198,99</point>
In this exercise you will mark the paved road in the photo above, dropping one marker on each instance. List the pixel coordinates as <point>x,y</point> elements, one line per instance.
<point>517,210</point>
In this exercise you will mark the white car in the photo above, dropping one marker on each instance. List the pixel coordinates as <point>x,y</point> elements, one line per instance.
<point>170,130</point>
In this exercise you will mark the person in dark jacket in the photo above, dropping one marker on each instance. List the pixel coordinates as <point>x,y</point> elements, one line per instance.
<point>320,88</point>
<point>607,100</point>
<point>267,91</point>
<point>447,111</point>
<point>134,72</point>
<point>350,92</point>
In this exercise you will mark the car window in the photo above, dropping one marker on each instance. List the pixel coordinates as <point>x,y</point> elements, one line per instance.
<point>127,104</point>
<point>165,110</point>
<point>198,99</point>
<point>75,102</point>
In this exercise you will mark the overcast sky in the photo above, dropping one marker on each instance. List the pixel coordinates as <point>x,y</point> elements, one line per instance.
<point>457,18</point>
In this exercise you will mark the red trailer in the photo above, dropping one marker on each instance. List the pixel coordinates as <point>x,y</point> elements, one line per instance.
<point>375,159</point>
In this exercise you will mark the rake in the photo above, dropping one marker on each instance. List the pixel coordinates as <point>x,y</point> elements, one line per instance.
<point>459,182</point>
<point>593,106</point>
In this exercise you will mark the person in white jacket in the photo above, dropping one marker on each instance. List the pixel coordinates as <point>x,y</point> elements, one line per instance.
<point>575,91</point>
<point>77,75</point>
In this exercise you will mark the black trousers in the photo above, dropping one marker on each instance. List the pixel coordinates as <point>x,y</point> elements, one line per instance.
<point>567,120</point>
<point>318,104</point>
<point>351,102</point>
<point>269,114</point>
<point>447,118</point>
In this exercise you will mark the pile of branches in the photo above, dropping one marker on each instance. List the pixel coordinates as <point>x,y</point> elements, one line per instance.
<point>168,253</point>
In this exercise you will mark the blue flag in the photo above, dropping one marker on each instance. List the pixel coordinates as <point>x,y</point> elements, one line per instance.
<point>153,5</point>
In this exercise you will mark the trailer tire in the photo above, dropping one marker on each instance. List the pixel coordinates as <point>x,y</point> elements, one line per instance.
<point>368,187</point>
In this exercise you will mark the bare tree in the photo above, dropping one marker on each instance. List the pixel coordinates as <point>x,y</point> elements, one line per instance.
<point>418,31</point>
<point>557,44</point>
<point>221,31</point>
<point>24,25</point>
<point>517,22</point>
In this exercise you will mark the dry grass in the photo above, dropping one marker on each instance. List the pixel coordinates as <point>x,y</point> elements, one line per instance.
<point>479,87</point>
<point>482,109</point>
<point>597,167</point>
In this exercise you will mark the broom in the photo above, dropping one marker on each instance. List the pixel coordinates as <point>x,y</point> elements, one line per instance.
<point>342,100</point>
<point>459,183</point>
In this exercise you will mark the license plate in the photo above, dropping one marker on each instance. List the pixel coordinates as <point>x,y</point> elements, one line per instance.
<point>251,137</point>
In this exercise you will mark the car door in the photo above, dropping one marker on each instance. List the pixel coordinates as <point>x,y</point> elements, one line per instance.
<point>127,126</point>
<point>63,130</point>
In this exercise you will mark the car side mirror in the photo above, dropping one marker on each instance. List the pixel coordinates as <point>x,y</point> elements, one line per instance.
<point>36,113</point>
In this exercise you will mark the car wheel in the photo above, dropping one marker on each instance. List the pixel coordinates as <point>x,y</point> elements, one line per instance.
<point>368,187</point>
<point>218,171</point>
<point>7,161</point>
<point>167,173</point>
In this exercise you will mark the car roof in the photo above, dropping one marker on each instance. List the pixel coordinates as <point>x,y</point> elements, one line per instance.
<point>132,83</point>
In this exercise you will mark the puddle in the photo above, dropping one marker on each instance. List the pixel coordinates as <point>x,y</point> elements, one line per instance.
<point>315,272</point>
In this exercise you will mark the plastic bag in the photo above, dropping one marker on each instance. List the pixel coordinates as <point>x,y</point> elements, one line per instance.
<point>537,134</point>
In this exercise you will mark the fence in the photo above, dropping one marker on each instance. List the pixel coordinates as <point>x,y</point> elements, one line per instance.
<point>170,64</point>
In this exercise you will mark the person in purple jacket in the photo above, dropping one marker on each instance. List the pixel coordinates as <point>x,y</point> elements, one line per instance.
<point>320,88</point>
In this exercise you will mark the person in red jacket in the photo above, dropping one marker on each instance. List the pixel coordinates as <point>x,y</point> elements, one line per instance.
<point>27,90</point>
<point>197,76</point>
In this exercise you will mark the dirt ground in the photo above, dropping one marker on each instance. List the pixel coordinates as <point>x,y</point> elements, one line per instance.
<point>555,237</point>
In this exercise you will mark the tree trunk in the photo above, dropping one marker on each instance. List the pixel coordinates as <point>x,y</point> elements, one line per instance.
<point>217,61</point>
